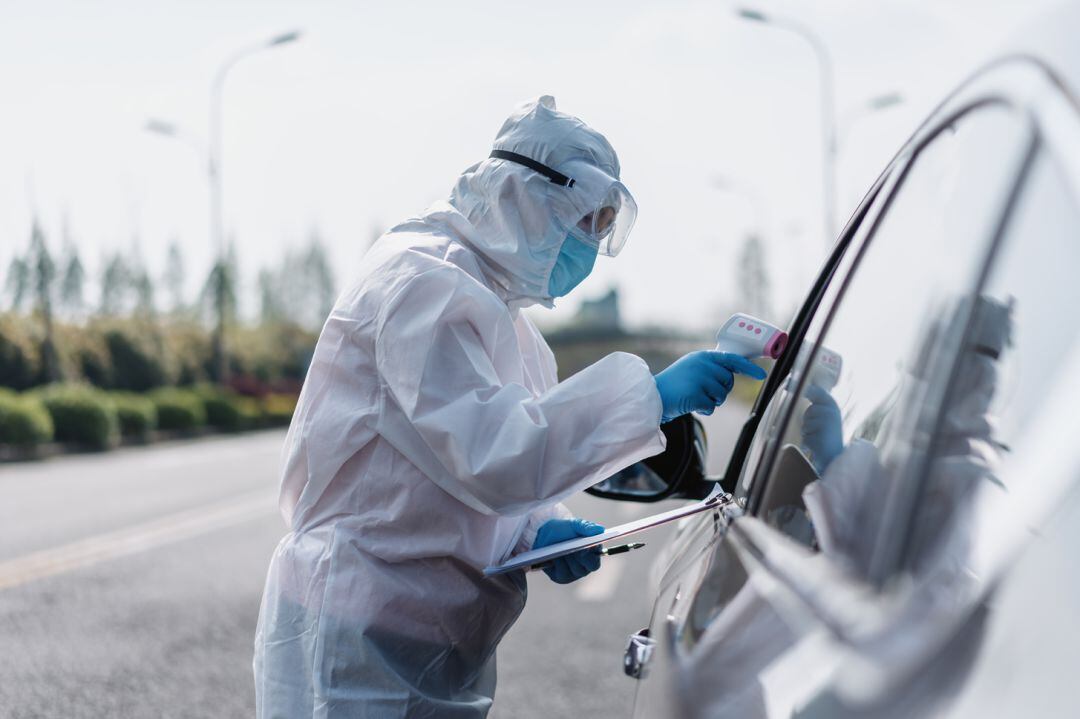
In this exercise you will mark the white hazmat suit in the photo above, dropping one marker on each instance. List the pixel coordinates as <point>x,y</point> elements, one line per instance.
<point>432,439</point>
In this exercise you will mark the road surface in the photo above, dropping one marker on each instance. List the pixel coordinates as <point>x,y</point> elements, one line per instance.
<point>130,586</point>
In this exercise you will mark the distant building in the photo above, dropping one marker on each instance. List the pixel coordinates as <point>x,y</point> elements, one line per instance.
<point>596,330</point>
<point>599,314</point>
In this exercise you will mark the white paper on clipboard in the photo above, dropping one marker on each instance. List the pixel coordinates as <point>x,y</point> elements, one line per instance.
<point>539,556</point>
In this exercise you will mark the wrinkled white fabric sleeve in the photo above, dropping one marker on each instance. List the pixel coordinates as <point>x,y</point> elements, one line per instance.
<point>447,407</point>
<point>536,520</point>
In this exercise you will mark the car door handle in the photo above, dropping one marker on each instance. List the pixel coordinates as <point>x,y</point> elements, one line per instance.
<point>639,651</point>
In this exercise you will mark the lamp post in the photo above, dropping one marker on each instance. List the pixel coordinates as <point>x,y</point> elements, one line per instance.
<point>828,108</point>
<point>868,107</point>
<point>213,152</point>
<point>217,217</point>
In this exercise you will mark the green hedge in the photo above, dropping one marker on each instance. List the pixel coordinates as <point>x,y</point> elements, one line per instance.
<point>251,412</point>
<point>277,409</point>
<point>81,414</point>
<point>222,408</point>
<point>137,357</point>
<point>137,414</point>
<point>85,415</point>
<point>20,353</point>
<point>24,421</point>
<point>178,409</point>
<point>83,355</point>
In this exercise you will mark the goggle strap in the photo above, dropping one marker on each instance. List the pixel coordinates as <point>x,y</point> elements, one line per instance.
<point>554,176</point>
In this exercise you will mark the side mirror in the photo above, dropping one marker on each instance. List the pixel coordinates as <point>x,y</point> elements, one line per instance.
<point>678,471</point>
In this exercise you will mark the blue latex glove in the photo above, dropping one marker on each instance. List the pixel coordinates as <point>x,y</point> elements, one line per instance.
<point>822,428</point>
<point>572,266</point>
<point>571,567</point>
<point>700,381</point>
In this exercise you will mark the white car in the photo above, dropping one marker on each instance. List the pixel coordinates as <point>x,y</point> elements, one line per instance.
<point>909,546</point>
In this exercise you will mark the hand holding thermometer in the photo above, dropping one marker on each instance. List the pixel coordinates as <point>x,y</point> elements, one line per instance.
<point>826,370</point>
<point>751,338</point>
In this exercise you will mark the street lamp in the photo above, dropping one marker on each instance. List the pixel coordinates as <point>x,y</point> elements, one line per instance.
<point>214,173</point>
<point>875,104</point>
<point>883,101</point>
<point>828,108</point>
<point>217,217</point>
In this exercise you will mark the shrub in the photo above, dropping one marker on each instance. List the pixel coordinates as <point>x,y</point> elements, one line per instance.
<point>24,421</point>
<point>222,408</point>
<point>137,356</point>
<point>81,414</point>
<point>178,409</point>
<point>277,409</point>
<point>84,355</point>
<point>188,346</point>
<point>137,414</point>
<point>250,412</point>
<point>274,352</point>
<point>20,356</point>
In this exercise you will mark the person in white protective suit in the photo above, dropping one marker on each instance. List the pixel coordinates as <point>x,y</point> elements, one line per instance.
<point>432,437</point>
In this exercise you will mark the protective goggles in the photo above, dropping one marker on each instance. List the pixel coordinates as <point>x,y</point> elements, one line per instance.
<point>604,208</point>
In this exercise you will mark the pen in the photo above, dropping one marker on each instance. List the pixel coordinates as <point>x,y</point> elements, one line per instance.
<point>621,548</point>
<point>604,551</point>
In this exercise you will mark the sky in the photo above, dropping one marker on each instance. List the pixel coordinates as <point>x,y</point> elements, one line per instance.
<point>373,113</point>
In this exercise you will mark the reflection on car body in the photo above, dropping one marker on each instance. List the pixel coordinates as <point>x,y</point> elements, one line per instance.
<point>878,558</point>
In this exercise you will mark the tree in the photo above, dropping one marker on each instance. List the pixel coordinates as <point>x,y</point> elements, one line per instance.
<point>270,306</point>
<point>218,297</point>
<point>72,276</point>
<point>43,271</point>
<point>318,279</point>
<point>72,282</point>
<point>142,287</point>
<point>174,277</point>
<point>753,279</point>
<point>301,291</point>
<point>115,285</point>
<point>18,282</point>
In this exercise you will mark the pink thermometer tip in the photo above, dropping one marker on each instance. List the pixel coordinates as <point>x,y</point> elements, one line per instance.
<point>776,345</point>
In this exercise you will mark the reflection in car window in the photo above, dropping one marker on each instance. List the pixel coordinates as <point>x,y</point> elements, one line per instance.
<point>637,479</point>
<point>873,377</point>
<point>1015,345</point>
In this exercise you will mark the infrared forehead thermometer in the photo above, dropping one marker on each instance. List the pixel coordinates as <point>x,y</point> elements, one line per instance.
<point>750,337</point>
<point>826,370</point>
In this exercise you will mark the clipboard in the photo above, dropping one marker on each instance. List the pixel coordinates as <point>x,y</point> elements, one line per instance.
<point>717,498</point>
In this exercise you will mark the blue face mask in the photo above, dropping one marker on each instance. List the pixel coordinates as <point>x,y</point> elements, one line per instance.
<point>572,266</point>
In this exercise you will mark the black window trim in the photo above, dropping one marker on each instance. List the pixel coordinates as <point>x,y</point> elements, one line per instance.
<point>796,335</point>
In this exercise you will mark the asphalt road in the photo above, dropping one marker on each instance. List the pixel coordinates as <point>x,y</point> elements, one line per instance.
<point>130,586</point>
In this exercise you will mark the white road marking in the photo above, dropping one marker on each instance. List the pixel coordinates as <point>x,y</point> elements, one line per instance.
<point>132,540</point>
<point>600,586</point>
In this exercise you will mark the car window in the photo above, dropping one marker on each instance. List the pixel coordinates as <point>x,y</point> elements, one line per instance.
<point>868,380</point>
<point>1017,339</point>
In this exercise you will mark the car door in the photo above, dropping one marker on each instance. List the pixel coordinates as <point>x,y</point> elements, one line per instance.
<point>995,631</point>
<point>809,554</point>
<point>679,568</point>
